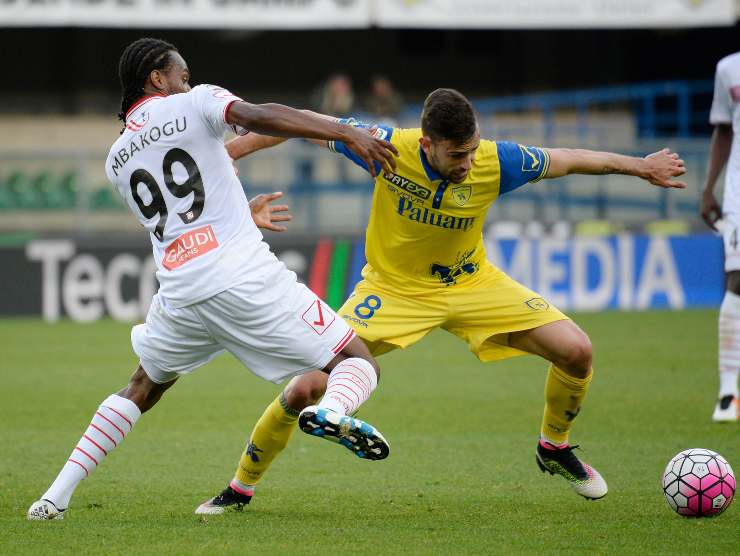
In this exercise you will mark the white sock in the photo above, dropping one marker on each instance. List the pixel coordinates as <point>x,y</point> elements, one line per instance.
<point>729,344</point>
<point>350,383</point>
<point>113,420</point>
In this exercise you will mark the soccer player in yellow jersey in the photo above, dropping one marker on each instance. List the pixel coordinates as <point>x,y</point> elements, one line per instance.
<point>427,269</point>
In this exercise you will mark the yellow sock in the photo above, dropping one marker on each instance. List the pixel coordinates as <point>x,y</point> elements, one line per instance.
<point>269,437</point>
<point>563,396</point>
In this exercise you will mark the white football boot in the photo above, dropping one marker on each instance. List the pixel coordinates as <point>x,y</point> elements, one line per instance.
<point>727,410</point>
<point>44,510</point>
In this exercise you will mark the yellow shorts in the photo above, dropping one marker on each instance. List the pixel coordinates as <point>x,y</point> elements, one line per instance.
<point>492,304</point>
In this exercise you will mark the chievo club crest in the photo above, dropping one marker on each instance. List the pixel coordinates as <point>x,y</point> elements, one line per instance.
<point>462,194</point>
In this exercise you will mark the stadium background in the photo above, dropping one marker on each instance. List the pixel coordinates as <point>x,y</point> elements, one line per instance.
<point>631,84</point>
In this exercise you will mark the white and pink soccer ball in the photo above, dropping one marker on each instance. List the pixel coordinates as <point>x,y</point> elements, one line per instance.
<point>698,483</point>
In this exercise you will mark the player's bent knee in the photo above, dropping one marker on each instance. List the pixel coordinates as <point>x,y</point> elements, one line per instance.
<point>578,356</point>
<point>305,390</point>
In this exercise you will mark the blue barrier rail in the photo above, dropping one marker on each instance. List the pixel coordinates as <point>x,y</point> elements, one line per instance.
<point>686,112</point>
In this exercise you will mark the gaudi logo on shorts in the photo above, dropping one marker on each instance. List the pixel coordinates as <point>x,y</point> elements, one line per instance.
<point>537,303</point>
<point>188,246</point>
<point>407,185</point>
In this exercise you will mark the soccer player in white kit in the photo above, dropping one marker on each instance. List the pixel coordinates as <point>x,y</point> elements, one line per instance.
<point>725,149</point>
<point>221,288</point>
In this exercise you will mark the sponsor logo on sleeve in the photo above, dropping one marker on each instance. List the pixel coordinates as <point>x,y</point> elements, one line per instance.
<point>318,316</point>
<point>137,124</point>
<point>220,92</point>
<point>530,160</point>
<point>189,246</point>
<point>380,133</point>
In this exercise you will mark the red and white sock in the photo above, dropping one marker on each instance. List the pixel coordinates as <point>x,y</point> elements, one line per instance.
<point>350,383</point>
<point>729,344</point>
<point>113,420</point>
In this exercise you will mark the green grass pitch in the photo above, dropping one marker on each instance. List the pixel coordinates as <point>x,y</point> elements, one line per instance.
<point>461,477</point>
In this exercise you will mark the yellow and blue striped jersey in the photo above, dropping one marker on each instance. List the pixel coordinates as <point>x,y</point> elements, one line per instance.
<point>426,232</point>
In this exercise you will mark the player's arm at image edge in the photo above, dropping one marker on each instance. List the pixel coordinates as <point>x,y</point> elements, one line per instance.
<point>658,168</point>
<point>244,145</point>
<point>581,161</point>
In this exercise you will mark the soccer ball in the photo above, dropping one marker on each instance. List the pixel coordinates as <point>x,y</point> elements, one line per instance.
<point>698,483</point>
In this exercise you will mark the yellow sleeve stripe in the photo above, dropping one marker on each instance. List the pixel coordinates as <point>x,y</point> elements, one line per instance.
<point>545,167</point>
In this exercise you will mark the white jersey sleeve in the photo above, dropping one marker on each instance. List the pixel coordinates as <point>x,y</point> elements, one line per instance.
<point>721,112</point>
<point>211,103</point>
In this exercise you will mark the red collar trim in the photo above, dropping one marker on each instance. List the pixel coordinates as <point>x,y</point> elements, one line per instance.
<point>141,101</point>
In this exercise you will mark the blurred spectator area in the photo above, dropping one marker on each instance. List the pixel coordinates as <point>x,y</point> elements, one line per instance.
<point>52,178</point>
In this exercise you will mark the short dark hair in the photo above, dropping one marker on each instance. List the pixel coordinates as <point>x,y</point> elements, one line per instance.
<point>138,60</point>
<point>447,114</point>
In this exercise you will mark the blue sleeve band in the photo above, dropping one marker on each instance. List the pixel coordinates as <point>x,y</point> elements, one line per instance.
<point>520,164</point>
<point>381,132</point>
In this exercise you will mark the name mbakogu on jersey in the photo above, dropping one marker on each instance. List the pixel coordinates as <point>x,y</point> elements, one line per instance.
<point>172,169</point>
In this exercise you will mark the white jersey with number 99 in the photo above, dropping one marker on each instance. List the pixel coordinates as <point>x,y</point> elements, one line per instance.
<point>171,167</point>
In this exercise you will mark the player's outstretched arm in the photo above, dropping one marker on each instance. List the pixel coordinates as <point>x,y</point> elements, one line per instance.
<point>244,145</point>
<point>282,121</point>
<point>266,215</point>
<point>719,153</point>
<point>659,168</point>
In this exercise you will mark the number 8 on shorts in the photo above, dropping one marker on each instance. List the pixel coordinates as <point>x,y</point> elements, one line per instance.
<point>367,308</point>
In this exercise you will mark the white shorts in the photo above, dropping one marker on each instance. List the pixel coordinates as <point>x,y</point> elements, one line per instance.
<point>731,237</point>
<point>284,331</point>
